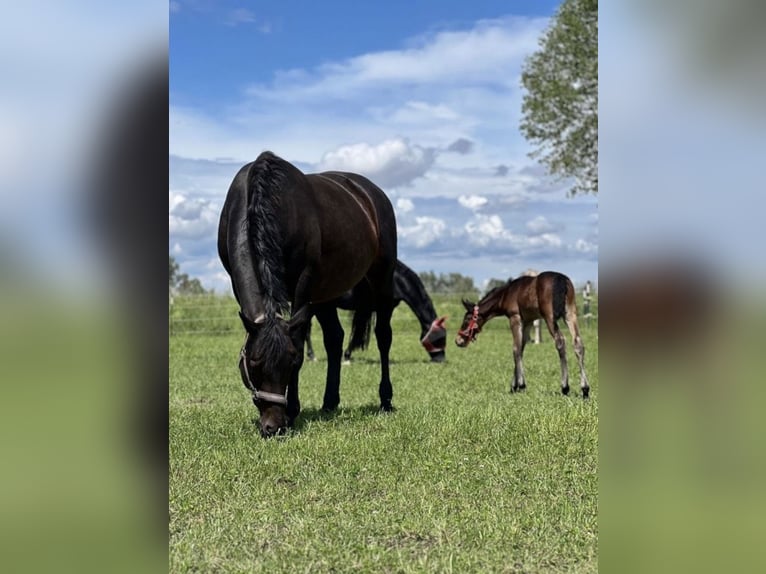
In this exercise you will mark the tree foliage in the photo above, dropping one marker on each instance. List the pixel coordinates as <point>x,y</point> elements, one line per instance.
<point>560,106</point>
<point>494,282</point>
<point>181,283</point>
<point>448,283</point>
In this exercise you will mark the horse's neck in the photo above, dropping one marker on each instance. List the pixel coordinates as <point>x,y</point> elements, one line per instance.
<point>421,304</point>
<point>492,307</point>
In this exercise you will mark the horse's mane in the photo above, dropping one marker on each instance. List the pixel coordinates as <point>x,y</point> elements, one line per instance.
<point>416,297</point>
<point>266,177</point>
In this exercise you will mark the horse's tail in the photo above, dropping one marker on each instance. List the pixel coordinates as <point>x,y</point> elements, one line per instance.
<point>561,289</point>
<point>361,326</point>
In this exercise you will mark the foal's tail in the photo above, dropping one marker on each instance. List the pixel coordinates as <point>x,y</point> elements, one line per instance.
<point>562,290</point>
<point>361,325</point>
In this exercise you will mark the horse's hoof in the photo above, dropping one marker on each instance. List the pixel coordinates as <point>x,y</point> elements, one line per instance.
<point>387,408</point>
<point>329,408</point>
<point>565,391</point>
<point>586,392</point>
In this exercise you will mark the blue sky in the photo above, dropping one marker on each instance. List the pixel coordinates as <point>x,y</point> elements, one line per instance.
<point>422,97</point>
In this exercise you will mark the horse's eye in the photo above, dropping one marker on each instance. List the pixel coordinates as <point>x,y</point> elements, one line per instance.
<point>252,363</point>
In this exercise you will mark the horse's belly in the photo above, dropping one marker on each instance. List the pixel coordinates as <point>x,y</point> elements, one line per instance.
<point>341,270</point>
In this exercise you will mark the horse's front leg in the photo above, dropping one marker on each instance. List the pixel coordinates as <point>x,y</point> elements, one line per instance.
<point>518,383</point>
<point>327,315</point>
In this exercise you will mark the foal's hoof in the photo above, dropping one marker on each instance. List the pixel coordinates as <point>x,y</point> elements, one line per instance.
<point>586,392</point>
<point>564,391</point>
<point>387,408</point>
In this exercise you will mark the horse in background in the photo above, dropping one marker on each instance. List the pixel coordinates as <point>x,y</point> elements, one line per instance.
<point>549,296</point>
<point>408,288</point>
<point>294,242</point>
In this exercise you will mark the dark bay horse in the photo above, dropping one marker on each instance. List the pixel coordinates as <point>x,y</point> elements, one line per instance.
<point>550,296</point>
<point>293,242</point>
<point>408,288</point>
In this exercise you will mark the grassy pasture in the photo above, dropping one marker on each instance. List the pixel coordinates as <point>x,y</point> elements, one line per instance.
<point>463,477</point>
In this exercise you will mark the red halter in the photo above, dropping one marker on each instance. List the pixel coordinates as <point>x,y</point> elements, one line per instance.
<point>436,326</point>
<point>472,329</point>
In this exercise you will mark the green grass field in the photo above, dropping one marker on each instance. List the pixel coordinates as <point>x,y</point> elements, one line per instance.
<point>463,477</point>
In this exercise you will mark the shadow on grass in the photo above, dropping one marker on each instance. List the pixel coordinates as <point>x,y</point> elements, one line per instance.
<point>346,414</point>
<point>371,361</point>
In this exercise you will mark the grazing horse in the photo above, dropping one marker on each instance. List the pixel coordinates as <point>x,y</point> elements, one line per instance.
<point>550,296</point>
<point>408,288</point>
<point>295,242</point>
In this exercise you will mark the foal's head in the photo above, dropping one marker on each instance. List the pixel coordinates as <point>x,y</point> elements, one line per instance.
<point>472,324</point>
<point>267,362</point>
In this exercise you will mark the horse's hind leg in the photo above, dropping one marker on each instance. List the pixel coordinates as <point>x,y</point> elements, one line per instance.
<point>518,332</point>
<point>579,350</point>
<point>561,347</point>
<point>383,336</point>
<point>333,344</point>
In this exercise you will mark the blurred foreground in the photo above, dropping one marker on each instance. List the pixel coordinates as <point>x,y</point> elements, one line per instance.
<point>682,269</point>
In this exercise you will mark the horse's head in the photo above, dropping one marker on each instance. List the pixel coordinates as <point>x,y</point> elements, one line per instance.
<point>267,362</point>
<point>472,324</point>
<point>435,340</point>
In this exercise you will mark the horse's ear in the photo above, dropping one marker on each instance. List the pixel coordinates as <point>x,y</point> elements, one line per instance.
<point>468,305</point>
<point>440,321</point>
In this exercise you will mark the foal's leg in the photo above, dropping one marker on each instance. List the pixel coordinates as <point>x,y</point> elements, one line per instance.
<point>579,350</point>
<point>333,344</point>
<point>518,345</point>
<point>561,347</point>
<point>383,336</point>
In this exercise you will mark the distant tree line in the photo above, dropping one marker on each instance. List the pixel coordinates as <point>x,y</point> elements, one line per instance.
<point>448,283</point>
<point>181,283</point>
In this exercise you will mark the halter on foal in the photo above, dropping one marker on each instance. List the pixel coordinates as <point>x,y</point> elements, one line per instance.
<point>550,296</point>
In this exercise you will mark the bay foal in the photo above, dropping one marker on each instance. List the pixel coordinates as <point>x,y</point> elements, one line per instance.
<point>549,296</point>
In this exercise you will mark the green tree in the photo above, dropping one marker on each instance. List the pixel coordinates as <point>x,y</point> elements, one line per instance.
<point>173,271</point>
<point>182,283</point>
<point>448,283</point>
<point>492,283</point>
<point>560,106</point>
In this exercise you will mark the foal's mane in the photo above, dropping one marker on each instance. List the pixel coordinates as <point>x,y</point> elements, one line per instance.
<point>495,291</point>
<point>266,178</point>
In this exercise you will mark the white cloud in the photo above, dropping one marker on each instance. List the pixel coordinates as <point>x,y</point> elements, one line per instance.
<point>424,232</point>
<point>391,163</point>
<point>489,53</point>
<point>488,231</point>
<point>485,228</point>
<point>240,16</point>
<point>191,219</point>
<point>418,112</point>
<point>472,202</point>
<point>540,225</point>
<point>404,205</point>
<point>586,247</point>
